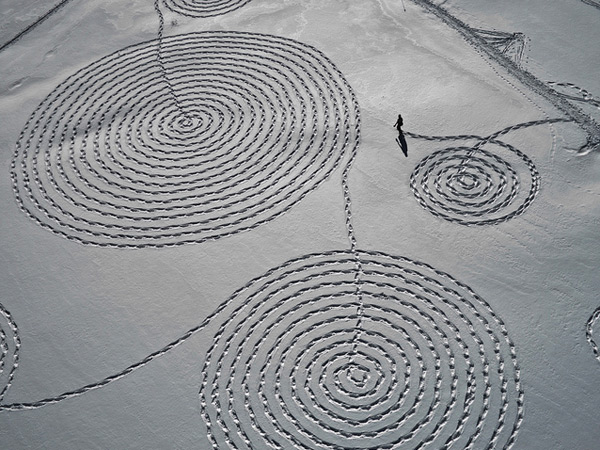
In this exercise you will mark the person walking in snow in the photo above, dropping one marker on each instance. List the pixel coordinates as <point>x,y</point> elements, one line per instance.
<point>401,140</point>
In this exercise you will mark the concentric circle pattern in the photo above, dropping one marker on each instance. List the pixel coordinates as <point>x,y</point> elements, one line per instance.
<point>204,8</point>
<point>10,344</point>
<point>235,130</point>
<point>430,367</point>
<point>476,186</point>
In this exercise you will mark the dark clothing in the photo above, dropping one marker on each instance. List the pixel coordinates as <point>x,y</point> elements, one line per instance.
<point>399,123</point>
<point>401,139</point>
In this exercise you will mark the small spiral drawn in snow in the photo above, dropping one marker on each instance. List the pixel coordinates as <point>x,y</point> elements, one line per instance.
<point>483,185</point>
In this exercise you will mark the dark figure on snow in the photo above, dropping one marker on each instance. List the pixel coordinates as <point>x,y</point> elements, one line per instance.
<point>401,140</point>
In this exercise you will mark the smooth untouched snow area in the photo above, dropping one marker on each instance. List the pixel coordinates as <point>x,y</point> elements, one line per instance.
<point>492,339</point>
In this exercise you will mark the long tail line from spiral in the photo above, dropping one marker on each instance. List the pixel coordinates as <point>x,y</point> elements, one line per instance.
<point>34,24</point>
<point>352,237</point>
<point>133,367</point>
<point>159,57</point>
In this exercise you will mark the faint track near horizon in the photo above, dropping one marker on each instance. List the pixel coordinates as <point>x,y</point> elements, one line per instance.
<point>37,22</point>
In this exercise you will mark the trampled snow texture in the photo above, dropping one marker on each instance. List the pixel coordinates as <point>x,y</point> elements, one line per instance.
<point>490,48</point>
<point>511,45</point>
<point>575,93</point>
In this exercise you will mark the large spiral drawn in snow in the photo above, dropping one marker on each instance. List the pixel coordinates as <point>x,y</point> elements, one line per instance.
<point>432,366</point>
<point>229,131</point>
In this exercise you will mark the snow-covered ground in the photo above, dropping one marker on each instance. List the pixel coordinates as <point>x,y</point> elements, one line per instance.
<point>214,240</point>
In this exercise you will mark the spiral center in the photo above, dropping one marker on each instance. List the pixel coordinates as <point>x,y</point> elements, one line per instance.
<point>358,376</point>
<point>467,181</point>
<point>186,122</point>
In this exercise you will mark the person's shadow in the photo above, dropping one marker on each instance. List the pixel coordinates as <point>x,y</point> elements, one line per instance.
<point>401,140</point>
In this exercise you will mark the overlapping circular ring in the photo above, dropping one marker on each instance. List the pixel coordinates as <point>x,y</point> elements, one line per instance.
<point>112,158</point>
<point>204,8</point>
<point>433,366</point>
<point>10,344</point>
<point>483,186</point>
<point>589,332</point>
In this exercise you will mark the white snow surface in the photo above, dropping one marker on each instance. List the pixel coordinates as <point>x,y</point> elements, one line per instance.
<point>86,312</point>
